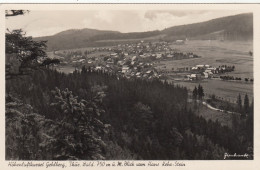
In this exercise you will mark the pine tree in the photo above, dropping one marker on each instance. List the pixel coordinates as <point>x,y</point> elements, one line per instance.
<point>200,92</point>
<point>79,131</point>
<point>239,103</point>
<point>195,93</point>
<point>246,105</point>
<point>252,107</point>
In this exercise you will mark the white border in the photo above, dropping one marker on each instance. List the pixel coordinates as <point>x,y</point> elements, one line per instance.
<point>200,165</point>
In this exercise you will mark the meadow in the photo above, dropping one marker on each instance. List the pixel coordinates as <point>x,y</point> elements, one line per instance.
<point>226,90</point>
<point>217,53</point>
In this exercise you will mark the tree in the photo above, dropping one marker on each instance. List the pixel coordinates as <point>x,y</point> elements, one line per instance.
<point>11,13</point>
<point>195,93</point>
<point>246,105</point>
<point>80,129</point>
<point>142,117</point>
<point>23,53</point>
<point>200,92</point>
<point>47,62</point>
<point>239,103</point>
<point>252,106</point>
<point>27,51</point>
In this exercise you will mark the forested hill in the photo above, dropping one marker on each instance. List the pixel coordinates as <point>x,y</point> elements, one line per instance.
<point>237,27</point>
<point>72,38</point>
<point>111,118</point>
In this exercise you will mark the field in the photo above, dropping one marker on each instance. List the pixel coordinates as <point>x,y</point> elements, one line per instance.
<point>224,89</point>
<point>216,53</point>
<point>224,118</point>
<point>66,69</point>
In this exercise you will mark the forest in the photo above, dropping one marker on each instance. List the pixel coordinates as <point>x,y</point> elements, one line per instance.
<point>111,117</point>
<point>93,115</point>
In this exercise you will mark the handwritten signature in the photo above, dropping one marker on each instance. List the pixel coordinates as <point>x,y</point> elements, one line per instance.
<point>235,155</point>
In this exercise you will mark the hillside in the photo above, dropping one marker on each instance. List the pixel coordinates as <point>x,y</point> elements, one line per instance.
<point>237,27</point>
<point>92,115</point>
<point>72,38</point>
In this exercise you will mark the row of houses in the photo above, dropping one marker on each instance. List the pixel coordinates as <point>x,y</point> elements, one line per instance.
<point>206,71</point>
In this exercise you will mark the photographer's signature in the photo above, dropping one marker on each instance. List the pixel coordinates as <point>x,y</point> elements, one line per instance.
<point>235,155</point>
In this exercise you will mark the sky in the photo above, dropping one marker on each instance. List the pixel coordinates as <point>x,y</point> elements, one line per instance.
<point>44,23</point>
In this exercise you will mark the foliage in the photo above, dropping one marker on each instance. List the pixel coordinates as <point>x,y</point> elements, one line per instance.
<point>239,103</point>
<point>24,50</point>
<point>246,104</point>
<point>11,13</point>
<point>149,119</point>
<point>195,93</point>
<point>200,92</point>
<point>77,136</point>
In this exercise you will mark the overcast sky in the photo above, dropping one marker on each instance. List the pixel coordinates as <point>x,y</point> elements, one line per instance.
<point>43,23</point>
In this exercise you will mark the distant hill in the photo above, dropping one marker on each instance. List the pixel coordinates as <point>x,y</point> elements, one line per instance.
<point>73,38</point>
<point>237,27</point>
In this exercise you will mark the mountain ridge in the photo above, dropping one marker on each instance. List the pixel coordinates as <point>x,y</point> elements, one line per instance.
<point>236,27</point>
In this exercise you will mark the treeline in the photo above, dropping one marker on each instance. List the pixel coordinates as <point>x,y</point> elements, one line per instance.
<point>144,119</point>
<point>235,78</point>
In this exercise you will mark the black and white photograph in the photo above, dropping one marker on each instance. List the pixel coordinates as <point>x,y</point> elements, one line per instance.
<point>129,84</point>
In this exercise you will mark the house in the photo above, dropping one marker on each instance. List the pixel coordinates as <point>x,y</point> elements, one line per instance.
<point>195,76</point>
<point>206,75</point>
<point>200,66</point>
<point>113,54</point>
<point>138,74</point>
<point>133,58</point>
<point>192,77</point>
<point>169,56</point>
<point>81,60</point>
<point>120,62</point>
<point>194,68</point>
<point>110,61</point>
<point>211,70</point>
<point>125,69</point>
<point>179,41</point>
<point>158,56</point>
<point>98,68</point>
<point>149,72</point>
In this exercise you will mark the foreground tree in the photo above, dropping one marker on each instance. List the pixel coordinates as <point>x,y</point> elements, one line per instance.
<point>79,131</point>
<point>30,136</point>
<point>23,54</point>
<point>12,13</point>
